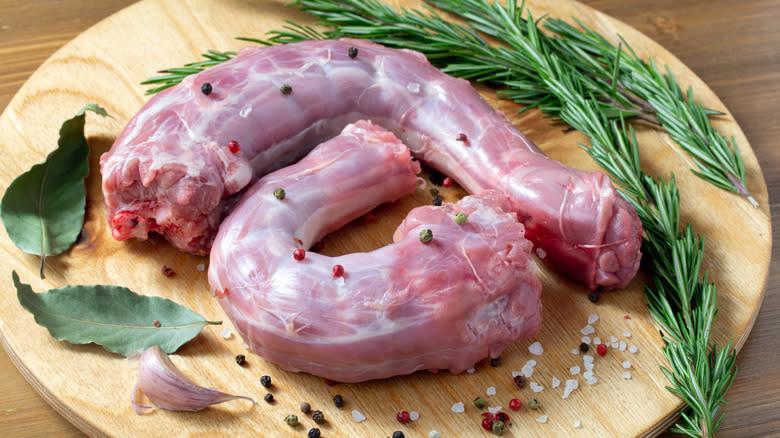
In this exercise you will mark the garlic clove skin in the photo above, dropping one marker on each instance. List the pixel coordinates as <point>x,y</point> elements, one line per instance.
<point>168,388</point>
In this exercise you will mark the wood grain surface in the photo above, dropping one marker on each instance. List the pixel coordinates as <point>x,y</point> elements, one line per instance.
<point>741,70</point>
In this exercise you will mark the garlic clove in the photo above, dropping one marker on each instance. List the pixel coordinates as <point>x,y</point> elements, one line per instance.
<point>168,388</point>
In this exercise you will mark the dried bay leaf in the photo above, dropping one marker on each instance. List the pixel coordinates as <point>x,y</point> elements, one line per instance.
<point>43,209</point>
<point>117,318</point>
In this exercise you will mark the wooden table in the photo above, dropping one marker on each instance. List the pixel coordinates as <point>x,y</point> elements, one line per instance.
<point>732,47</point>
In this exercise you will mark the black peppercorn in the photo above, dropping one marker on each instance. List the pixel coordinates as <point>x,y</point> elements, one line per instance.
<point>269,398</point>
<point>241,359</point>
<point>584,347</point>
<point>352,52</point>
<point>593,297</point>
<point>265,381</point>
<point>305,408</point>
<point>318,417</point>
<point>398,434</point>
<point>286,89</point>
<point>314,433</point>
<point>496,361</point>
<point>436,177</point>
<point>206,88</point>
<point>338,400</point>
<point>437,200</point>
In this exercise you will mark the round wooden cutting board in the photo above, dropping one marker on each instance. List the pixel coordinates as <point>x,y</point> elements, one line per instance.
<point>92,387</point>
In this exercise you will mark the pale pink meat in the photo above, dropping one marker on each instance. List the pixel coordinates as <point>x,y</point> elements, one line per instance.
<point>405,307</point>
<point>171,171</point>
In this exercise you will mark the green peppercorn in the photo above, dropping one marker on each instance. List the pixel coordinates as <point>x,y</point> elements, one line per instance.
<point>241,359</point>
<point>286,89</point>
<point>313,433</point>
<point>480,403</point>
<point>437,201</point>
<point>498,427</point>
<point>426,235</point>
<point>338,400</point>
<point>318,417</point>
<point>305,408</point>
<point>269,398</point>
<point>460,218</point>
<point>292,420</point>
<point>279,193</point>
<point>265,381</point>
<point>533,403</point>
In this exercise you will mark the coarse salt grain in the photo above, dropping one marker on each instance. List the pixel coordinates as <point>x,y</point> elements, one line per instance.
<point>516,373</point>
<point>614,345</point>
<point>626,364</point>
<point>587,330</point>
<point>587,358</point>
<point>471,370</point>
<point>613,339</point>
<point>622,346</point>
<point>357,416</point>
<point>575,351</point>
<point>574,370</point>
<point>434,434</point>
<point>528,368</point>
<point>597,340</point>
<point>226,333</point>
<point>627,375</point>
<point>577,424</point>
<point>458,407</point>
<point>585,340</point>
<point>633,349</point>
<point>570,386</point>
<point>626,334</point>
<point>491,391</point>
<point>555,382</point>
<point>592,381</point>
<point>541,253</point>
<point>494,409</point>
<point>201,267</point>
<point>542,419</point>
<point>589,366</point>
<point>414,415</point>
<point>536,387</point>
<point>592,318</point>
<point>536,348</point>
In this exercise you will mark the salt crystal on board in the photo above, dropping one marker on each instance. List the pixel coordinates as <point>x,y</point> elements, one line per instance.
<point>627,375</point>
<point>537,387</point>
<point>536,348</point>
<point>494,409</point>
<point>226,333</point>
<point>626,334</point>
<point>575,351</point>
<point>201,267</point>
<point>357,416</point>
<point>626,364</point>
<point>588,330</point>
<point>574,370</point>
<point>633,349</point>
<point>542,419</point>
<point>414,415</point>
<point>434,434</point>
<point>585,340</point>
<point>592,318</point>
<point>597,340</point>
<point>471,370</point>
<point>491,391</point>
<point>577,424</point>
<point>555,382</point>
<point>458,407</point>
